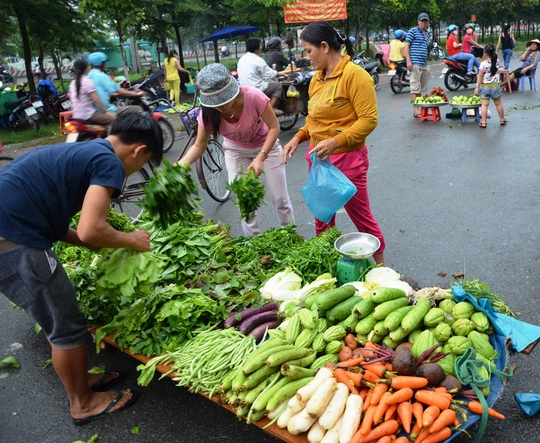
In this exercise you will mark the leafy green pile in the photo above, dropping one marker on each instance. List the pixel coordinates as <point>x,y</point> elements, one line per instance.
<point>188,248</point>
<point>170,194</point>
<point>274,244</point>
<point>128,271</point>
<point>313,257</point>
<point>480,290</point>
<point>249,192</point>
<point>163,319</point>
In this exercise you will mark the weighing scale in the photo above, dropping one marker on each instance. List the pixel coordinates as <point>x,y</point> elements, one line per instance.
<point>356,248</point>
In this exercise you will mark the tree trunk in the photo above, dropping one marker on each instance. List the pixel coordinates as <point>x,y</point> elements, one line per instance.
<point>270,21</point>
<point>26,49</point>
<point>367,24</point>
<point>41,56</point>
<point>121,41</point>
<point>57,68</point>
<point>179,43</point>
<point>162,35</point>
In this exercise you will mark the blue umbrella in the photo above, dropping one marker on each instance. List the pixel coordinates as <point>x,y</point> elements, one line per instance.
<point>230,32</point>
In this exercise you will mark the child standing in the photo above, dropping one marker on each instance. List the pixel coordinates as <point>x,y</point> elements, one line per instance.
<point>488,85</point>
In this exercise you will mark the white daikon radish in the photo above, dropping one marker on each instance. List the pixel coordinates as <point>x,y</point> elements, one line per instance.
<point>316,433</point>
<point>305,393</point>
<point>322,396</point>
<point>284,418</point>
<point>335,407</point>
<point>332,435</point>
<point>351,418</point>
<point>300,422</point>
<point>277,411</point>
<point>296,405</point>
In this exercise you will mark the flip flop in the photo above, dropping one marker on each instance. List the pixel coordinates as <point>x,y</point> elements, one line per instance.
<point>504,122</point>
<point>105,412</point>
<point>416,115</point>
<point>483,125</point>
<point>102,385</point>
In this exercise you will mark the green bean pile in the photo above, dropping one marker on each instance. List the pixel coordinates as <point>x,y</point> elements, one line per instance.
<point>203,361</point>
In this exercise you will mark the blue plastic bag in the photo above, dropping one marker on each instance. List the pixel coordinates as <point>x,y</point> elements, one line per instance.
<point>327,189</point>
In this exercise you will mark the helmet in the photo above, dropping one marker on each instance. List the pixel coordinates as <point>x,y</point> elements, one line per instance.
<point>274,42</point>
<point>352,39</point>
<point>469,25</point>
<point>451,28</point>
<point>398,33</point>
<point>97,58</point>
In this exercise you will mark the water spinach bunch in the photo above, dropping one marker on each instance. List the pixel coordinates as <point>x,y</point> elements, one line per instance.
<point>249,192</point>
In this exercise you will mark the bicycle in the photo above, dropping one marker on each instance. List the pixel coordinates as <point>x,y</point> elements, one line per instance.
<point>211,172</point>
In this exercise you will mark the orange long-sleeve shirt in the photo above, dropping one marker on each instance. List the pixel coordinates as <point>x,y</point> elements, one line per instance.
<point>342,106</point>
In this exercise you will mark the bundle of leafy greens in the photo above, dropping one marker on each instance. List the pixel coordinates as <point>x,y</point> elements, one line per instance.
<point>313,257</point>
<point>162,320</point>
<point>249,192</point>
<point>170,194</point>
<point>480,290</point>
<point>274,244</point>
<point>187,248</point>
<point>127,272</point>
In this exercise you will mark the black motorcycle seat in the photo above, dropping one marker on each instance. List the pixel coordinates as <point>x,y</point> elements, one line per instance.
<point>11,106</point>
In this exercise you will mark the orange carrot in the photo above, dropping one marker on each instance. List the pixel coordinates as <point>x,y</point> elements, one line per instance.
<point>476,407</point>
<point>370,376</point>
<point>390,412</point>
<point>400,396</point>
<point>376,368</point>
<point>356,377</point>
<point>367,421</point>
<point>385,428</point>
<point>446,418</point>
<point>422,436</point>
<point>404,412</point>
<point>440,389</point>
<point>343,377</point>
<point>363,393</point>
<point>430,415</point>
<point>431,398</point>
<point>352,362</point>
<point>439,436</point>
<point>403,439</point>
<point>387,439</point>
<point>378,391</point>
<point>368,351</point>
<point>408,381</point>
<point>381,408</point>
<point>367,401</point>
<point>418,411</point>
<point>416,429</point>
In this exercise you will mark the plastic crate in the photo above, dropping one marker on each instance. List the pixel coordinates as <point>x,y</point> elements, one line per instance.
<point>5,99</point>
<point>190,89</point>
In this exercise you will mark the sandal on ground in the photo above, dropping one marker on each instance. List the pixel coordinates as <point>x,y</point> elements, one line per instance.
<point>104,385</point>
<point>105,412</point>
<point>416,115</point>
<point>504,122</point>
<point>483,125</point>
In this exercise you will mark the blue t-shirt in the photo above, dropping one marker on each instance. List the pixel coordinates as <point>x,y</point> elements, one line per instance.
<point>104,88</point>
<point>41,190</point>
<point>418,48</point>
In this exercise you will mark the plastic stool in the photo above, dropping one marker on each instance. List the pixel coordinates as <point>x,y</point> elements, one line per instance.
<point>476,115</point>
<point>64,118</point>
<point>430,113</point>
<point>505,81</point>
<point>532,83</point>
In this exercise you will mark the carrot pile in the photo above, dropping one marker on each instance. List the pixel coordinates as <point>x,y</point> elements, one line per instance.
<point>397,404</point>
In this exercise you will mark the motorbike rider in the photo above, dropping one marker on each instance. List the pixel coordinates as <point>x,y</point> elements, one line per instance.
<point>397,49</point>
<point>274,56</point>
<point>224,51</point>
<point>470,44</point>
<point>454,51</point>
<point>106,88</point>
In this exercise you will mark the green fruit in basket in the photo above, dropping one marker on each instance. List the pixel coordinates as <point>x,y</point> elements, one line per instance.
<point>463,326</point>
<point>481,322</point>
<point>442,332</point>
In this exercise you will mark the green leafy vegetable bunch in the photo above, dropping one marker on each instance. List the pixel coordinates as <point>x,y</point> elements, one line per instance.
<point>249,192</point>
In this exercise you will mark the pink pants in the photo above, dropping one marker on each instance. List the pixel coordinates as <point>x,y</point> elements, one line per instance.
<point>354,165</point>
<point>238,157</point>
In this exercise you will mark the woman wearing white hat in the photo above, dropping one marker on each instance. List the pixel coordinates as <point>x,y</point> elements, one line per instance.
<point>530,59</point>
<point>250,129</point>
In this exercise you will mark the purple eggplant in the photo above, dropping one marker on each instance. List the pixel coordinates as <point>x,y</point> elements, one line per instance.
<point>236,318</point>
<point>255,320</point>
<point>259,331</point>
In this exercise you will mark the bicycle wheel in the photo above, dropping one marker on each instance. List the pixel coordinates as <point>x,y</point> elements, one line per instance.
<point>130,199</point>
<point>212,172</point>
<point>287,121</point>
<point>4,161</point>
<point>168,134</point>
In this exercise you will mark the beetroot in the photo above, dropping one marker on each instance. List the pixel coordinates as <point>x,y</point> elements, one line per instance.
<point>452,384</point>
<point>403,361</point>
<point>432,371</point>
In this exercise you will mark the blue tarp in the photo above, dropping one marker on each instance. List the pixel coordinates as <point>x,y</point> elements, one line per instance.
<point>230,32</point>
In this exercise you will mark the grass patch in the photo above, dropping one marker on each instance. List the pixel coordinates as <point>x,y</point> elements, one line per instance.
<point>45,135</point>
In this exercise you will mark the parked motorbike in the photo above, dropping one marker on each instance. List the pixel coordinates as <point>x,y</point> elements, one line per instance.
<point>373,68</point>
<point>8,78</point>
<point>455,75</point>
<point>20,114</point>
<point>398,72</point>
<point>435,51</point>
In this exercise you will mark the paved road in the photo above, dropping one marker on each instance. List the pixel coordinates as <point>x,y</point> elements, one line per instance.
<point>450,197</point>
